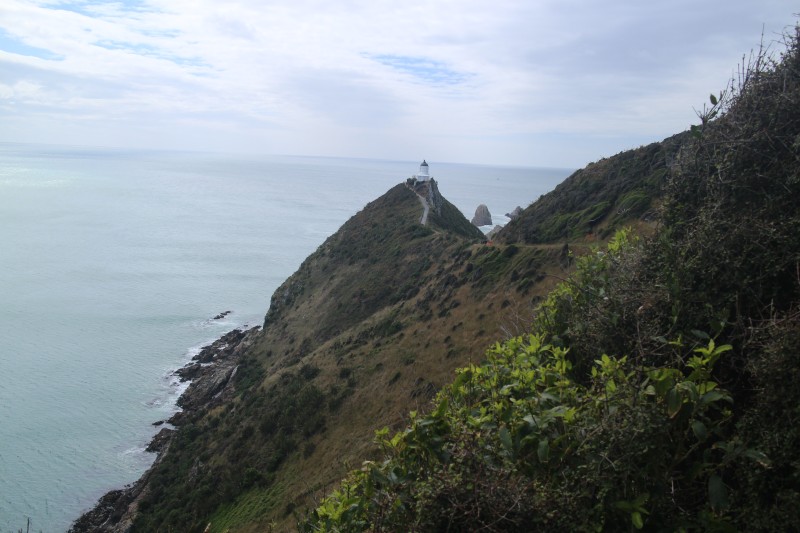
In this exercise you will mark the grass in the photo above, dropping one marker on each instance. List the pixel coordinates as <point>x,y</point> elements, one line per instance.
<point>248,509</point>
<point>352,342</point>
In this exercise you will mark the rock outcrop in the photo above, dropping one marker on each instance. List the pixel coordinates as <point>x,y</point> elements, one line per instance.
<point>515,213</point>
<point>211,371</point>
<point>482,216</point>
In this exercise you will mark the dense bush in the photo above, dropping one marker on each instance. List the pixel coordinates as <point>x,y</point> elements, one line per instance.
<point>517,445</point>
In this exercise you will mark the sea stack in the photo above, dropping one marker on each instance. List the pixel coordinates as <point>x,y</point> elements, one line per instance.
<point>482,216</point>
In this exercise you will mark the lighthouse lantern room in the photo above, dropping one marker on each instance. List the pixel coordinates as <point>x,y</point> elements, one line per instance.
<point>423,172</point>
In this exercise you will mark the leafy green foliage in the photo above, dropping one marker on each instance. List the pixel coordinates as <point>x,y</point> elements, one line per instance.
<point>692,424</point>
<point>731,205</point>
<point>516,444</point>
<point>657,390</point>
<point>769,498</point>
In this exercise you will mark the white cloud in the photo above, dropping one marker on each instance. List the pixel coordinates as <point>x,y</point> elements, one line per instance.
<point>460,80</point>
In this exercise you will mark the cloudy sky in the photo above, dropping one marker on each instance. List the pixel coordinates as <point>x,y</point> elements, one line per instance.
<point>514,82</point>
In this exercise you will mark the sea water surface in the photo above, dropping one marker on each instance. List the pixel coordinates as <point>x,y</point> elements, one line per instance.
<point>113,264</point>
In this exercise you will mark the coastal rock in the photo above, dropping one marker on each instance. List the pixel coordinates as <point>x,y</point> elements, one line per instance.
<point>160,441</point>
<point>515,213</point>
<point>212,371</point>
<point>211,380</point>
<point>482,216</point>
<point>189,372</point>
<point>434,197</point>
<point>222,315</point>
<point>108,511</point>
<point>220,348</point>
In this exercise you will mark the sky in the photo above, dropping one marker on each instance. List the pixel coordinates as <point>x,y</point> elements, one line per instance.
<point>548,83</point>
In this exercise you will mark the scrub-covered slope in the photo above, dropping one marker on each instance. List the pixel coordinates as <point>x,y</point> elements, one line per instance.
<point>599,199</point>
<point>370,326</point>
<point>658,387</point>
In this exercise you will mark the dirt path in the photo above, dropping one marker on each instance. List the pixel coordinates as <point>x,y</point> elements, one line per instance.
<point>425,209</point>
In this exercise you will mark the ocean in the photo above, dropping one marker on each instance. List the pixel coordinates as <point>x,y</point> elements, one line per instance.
<point>113,264</point>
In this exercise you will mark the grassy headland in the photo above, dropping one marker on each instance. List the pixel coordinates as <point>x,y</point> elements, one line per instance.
<point>654,388</point>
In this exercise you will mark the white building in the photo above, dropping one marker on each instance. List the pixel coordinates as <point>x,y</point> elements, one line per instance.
<point>423,172</point>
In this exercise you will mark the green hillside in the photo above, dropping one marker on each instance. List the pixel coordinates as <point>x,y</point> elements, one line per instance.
<point>371,325</point>
<point>646,383</point>
<point>597,200</point>
<point>658,387</point>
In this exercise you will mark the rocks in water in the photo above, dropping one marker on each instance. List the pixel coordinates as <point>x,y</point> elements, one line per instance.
<point>221,347</point>
<point>160,441</point>
<point>188,372</point>
<point>515,213</point>
<point>482,216</point>
<point>109,508</point>
<point>211,372</point>
<point>222,315</point>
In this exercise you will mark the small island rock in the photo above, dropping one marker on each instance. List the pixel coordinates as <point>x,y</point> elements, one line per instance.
<point>482,216</point>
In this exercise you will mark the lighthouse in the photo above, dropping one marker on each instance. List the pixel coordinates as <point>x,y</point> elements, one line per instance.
<point>423,172</point>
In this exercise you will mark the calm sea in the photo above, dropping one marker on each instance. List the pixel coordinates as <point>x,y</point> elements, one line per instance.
<point>112,264</point>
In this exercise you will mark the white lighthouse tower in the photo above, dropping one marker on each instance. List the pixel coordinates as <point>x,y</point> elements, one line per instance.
<point>423,172</point>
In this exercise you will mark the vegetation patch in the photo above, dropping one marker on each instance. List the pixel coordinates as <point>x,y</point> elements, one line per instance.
<point>657,388</point>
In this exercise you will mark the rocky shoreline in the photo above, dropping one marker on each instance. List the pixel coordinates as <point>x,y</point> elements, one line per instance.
<point>211,374</point>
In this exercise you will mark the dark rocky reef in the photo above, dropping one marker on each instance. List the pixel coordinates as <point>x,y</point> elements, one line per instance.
<point>211,372</point>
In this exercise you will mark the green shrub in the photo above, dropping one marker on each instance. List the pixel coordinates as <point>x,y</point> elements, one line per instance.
<point>517,445</point>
